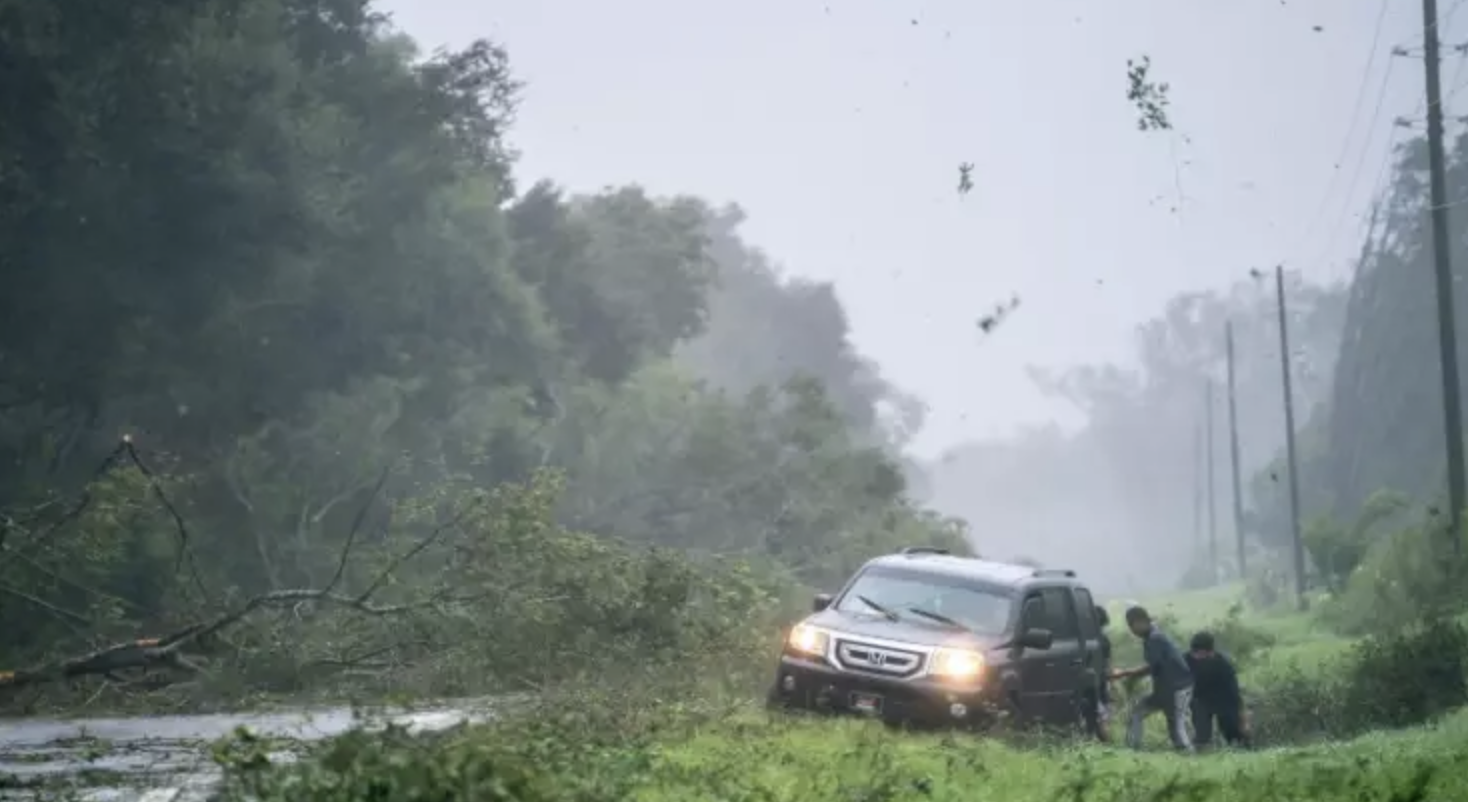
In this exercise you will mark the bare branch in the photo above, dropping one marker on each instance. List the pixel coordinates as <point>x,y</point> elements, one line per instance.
<point>59,612</point>
<point>419,547</point>
<point>73,584</point>
<point>84,500</point>
<point>341,564</point>
<point>151,652</point>
<point>166,651</point>
<point>232,481</point>
<point>186,551</point>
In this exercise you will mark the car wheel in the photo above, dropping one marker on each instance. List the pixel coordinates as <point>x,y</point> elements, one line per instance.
<point>773,702</point>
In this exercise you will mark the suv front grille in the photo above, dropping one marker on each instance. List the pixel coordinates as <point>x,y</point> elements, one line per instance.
<point>855,655</point>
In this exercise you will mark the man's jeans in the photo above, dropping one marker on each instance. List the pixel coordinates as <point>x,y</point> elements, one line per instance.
<point>1173,706</point>
<point>1230,723</point>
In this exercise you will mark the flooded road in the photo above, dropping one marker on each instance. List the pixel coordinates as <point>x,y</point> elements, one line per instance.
<point>166,758</point>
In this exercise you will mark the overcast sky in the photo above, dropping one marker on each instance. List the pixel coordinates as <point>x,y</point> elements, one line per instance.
<point>839,127</point>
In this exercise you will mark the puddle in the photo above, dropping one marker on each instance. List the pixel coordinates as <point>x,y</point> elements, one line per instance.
<point>166,758</point>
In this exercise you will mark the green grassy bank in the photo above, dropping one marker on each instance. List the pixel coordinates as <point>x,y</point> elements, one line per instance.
<point>1317,694</point>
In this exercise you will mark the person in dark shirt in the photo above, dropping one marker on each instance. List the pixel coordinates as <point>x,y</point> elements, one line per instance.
<point>1216,695</point>
<point>1103,693</point>
<point>1172,682</point>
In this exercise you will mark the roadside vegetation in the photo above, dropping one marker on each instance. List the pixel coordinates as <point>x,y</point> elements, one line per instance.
<point>1337,716</point>
<point>309,395</point>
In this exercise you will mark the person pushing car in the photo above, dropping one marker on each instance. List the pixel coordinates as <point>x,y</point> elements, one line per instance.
<point>1216,695</point>
<point>1172,682</point>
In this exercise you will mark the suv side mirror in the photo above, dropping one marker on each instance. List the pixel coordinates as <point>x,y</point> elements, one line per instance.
<point>820,602</point>
<point>1036,639</point>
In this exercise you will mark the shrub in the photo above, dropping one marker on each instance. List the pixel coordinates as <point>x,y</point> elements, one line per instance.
<point>1408,678</point>
<point>1240,640</point>
<point>1403,578</point>
<point>1296,706</point>
<point>1386,681</point>
<point>1337,550</point>
<point>1266,588</point>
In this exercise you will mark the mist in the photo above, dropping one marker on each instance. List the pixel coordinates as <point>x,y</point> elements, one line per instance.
<point>1123,495</point>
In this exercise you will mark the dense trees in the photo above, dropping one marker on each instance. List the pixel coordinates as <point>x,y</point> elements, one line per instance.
<point>286,254</point>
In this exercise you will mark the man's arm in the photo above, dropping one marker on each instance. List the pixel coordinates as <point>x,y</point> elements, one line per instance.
<point>1128,673</point>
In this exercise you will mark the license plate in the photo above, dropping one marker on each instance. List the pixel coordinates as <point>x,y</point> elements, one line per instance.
<point>866,703</point>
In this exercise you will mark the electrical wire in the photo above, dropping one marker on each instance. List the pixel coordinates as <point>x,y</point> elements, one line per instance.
<point>1393,141</point>
<point>1354,119</point>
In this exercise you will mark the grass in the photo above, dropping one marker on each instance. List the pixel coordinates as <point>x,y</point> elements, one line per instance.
<point>749,758</point>
<point>818,761</point>
<point>745,755</point>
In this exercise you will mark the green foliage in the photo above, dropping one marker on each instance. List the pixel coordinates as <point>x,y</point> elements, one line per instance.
<point>284,251</point>
<point>1337,551</point>
<point>1409,677</point>
<point>745,756</point>
<point>681,730</point>
<point>1404,577</point>
<point>1268,588</point>
<point>1236,636</point>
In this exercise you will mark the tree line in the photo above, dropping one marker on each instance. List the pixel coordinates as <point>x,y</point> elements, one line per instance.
<point>301,378</point>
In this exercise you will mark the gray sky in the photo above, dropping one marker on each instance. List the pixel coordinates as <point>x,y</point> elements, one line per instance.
<point>839,126</point>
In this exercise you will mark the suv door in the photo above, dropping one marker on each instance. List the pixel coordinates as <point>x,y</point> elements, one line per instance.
<point>1036,677</point>
<point>1090,636</point>
<point>1067,654</point>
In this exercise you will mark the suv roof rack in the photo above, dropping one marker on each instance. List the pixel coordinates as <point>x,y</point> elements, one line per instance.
<point>913,551</point>
<point>1054,572</point>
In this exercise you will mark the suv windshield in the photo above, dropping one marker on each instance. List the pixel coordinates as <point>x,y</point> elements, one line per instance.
<point>903,592</point>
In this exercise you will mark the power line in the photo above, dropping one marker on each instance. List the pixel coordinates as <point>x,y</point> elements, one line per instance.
<point>1361,162</point>
<point>1355,117</point>
<point>1384,169</point>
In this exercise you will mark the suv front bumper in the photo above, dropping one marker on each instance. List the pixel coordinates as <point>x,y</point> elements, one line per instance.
<point>815,685</point>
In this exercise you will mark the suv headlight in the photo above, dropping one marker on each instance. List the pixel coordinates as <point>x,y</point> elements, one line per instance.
<point>959,664</point>
<point>808,640</point>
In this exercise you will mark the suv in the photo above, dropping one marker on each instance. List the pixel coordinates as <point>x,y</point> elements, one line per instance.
<point>925,637</point>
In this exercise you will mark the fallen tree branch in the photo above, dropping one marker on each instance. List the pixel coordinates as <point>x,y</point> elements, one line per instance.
<point>67,616</point>
<point>185,542</point>
<point>419,547</point>
<point>167,650</point>
<point>36,566</point>
<point>361,516</point>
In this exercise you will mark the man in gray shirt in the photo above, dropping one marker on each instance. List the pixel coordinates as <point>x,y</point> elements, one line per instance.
<point>1172,682</point>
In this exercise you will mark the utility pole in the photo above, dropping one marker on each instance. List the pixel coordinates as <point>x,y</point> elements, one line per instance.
<point>1292,463</point>
<point>1233,447</point>
<point>1443,267</point>
<point>1212,482</point>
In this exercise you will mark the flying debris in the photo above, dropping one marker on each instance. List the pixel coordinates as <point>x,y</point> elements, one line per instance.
<point>965,178</point>
<point>1147,95</point>
<point>989,322</point>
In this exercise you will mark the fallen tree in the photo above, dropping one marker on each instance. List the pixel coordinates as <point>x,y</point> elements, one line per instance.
<point>452,590</point>
<point>172,651</point>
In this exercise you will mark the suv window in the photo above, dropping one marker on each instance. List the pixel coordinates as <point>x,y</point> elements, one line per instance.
<point>1061,613</point>
<point>1086,611</point>
<point>1034,615</point>
<point>902,591</point>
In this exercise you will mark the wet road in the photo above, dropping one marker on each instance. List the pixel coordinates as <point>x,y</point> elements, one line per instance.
<point>166,758</point>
